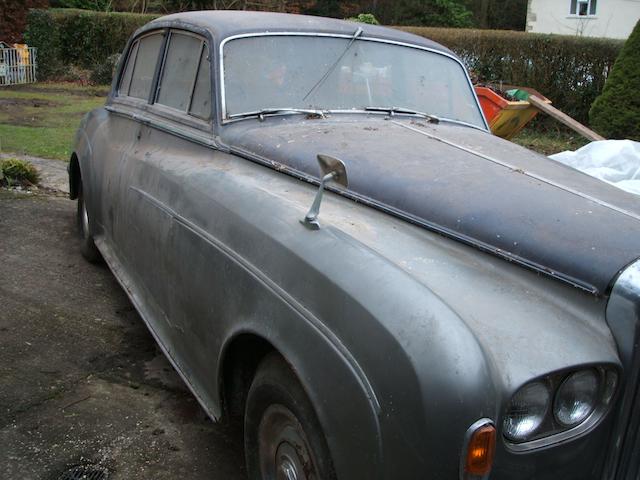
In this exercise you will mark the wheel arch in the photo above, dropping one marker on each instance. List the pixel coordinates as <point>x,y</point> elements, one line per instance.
<point>238,362</point>
<point>74,176</point>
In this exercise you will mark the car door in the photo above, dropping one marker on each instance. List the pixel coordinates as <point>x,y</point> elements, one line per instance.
<point>130,227</point>
<point>174,131</point>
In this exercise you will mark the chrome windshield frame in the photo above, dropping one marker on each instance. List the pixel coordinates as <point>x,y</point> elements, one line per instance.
<point>223,105</point>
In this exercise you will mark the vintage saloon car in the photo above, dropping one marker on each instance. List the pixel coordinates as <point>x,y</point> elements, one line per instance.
<point>454,307</point>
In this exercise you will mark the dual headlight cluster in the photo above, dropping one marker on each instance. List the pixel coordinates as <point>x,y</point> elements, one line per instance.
<point>558,403</point>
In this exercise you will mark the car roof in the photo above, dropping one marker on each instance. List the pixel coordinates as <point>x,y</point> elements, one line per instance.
<point>227,23</point>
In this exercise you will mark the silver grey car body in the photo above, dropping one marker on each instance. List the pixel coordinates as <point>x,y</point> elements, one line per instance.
<point>453,270</point>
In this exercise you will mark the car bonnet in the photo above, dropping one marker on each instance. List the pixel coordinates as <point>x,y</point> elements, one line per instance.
<point>466,184</point>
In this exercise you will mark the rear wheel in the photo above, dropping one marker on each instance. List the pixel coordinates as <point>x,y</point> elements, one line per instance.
<point>87,247</point>
<point>283,437</point>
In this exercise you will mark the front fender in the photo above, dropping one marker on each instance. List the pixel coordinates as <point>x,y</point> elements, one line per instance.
<point>343,399</point>
<point>82,153</point>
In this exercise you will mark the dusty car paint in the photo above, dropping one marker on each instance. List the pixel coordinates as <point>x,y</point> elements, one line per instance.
<point>469,185</point>
<point>401,336</point>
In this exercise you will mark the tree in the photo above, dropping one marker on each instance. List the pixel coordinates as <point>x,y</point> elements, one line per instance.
<point>435,13</point>
<point>99,5</point>
<point>616,112</point>
<point>13,18</point>
<point>499,14</point>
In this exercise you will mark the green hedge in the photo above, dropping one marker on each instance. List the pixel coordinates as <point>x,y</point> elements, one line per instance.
<point>81,38</point>
<point>571,71</point>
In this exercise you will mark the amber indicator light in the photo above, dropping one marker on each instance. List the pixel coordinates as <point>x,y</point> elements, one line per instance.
<point>482,446</point>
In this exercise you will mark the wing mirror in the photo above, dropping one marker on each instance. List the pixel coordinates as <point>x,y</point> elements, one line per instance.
<point>333,170</point>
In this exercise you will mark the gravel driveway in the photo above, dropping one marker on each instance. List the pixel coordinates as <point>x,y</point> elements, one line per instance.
<point>82,382</point>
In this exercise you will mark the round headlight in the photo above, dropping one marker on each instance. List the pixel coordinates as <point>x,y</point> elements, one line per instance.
<point>576,398</point>
<point>526,411</point>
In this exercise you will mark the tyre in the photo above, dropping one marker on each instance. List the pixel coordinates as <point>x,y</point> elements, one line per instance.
<point>87,247</point>
<point>282,435</point>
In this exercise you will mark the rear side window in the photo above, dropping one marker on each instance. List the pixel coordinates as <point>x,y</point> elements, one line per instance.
<point>201,99</point>
<point>123,89</point>
<point>146,57</point>
<point>185,80</point>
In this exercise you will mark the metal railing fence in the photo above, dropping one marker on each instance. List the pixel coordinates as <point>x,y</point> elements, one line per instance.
<point>17,65</point>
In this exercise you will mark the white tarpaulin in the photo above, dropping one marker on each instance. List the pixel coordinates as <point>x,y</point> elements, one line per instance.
<point>614,161</point>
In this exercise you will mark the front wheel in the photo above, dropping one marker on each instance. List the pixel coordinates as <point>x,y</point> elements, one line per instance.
<point>283,437</point>
<point>87,247</point>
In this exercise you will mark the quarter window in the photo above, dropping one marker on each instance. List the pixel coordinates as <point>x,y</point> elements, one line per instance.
<point>123,89</point>
<point>145,64</point>
<point>201,99</point>
<point>583,8</point>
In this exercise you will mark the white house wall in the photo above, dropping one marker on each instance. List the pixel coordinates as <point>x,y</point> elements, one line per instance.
<point>613,19</point>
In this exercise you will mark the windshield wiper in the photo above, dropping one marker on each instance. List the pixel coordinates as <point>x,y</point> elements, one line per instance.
<point>460,122</point>
<point>356,34</point>
<point>403,111</point>
<point>279,111</point>
<point>432,118</point>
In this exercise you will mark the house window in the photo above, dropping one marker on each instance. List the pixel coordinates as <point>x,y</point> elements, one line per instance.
<point>583,8</point>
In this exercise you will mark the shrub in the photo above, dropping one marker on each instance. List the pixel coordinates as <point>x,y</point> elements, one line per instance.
<point>571,71</point>
<point>616,113</point>
<point>441,13</point>
<point>365,18</point>
<point>42,33</point>
<point>13,170</point>
<point>81,38</point>
<point>13,18</point>
<point>103,72</point>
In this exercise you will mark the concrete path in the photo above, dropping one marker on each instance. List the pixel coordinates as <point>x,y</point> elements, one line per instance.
<point>53,173</point>
<point>82,380</point>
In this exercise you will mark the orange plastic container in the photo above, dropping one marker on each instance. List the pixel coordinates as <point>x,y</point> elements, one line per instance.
<point>506,118</point>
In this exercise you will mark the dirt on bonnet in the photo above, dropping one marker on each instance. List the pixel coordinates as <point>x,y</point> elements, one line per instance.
<point>82,381</point>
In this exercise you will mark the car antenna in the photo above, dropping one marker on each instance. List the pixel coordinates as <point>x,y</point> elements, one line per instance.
<point>357,33</point>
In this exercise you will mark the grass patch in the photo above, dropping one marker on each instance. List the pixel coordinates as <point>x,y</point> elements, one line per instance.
<point>41,119</point>
<point>548,141</point>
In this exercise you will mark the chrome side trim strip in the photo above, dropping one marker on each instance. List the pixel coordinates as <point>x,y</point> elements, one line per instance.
<point>276,289</point>
<point>202,139</point>
<point>434,227</point>
<point>134,296</point>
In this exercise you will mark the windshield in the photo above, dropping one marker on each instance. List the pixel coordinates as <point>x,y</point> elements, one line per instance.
<point>300,72</point>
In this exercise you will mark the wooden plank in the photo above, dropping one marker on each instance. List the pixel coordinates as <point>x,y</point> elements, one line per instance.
<point>564,118</point>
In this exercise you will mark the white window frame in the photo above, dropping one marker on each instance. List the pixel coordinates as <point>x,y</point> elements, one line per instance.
<point>591,5</point>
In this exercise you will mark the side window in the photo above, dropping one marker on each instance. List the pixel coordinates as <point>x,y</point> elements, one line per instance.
<point>185,80</point>
<point>125,82</point>
<point>179,71</point>
<point>201,99</point>
<point>145,65</point>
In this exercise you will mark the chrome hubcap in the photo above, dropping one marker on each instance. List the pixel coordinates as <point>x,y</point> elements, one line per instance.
<point>287,471</point>
<point>85,220</point>
<point>288,463</point>
<point>283,446</point>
